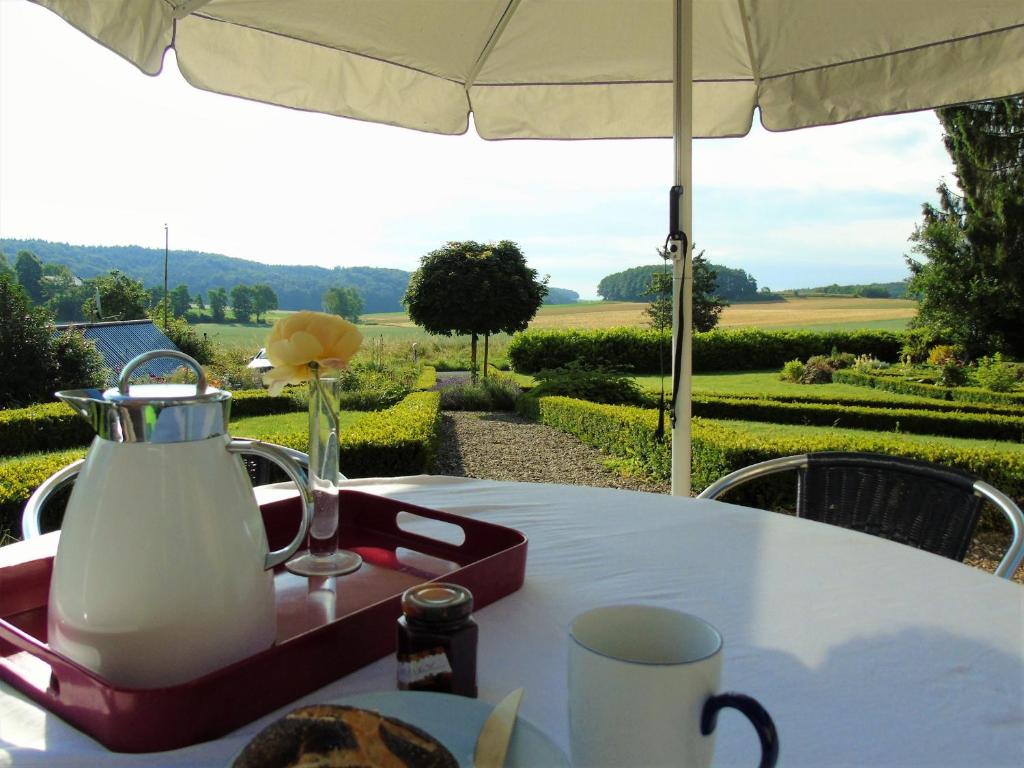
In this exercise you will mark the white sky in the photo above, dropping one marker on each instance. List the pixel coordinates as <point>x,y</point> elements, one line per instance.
<point>93,152</point>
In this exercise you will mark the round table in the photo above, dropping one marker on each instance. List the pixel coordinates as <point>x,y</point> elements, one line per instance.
<point>864,651</point>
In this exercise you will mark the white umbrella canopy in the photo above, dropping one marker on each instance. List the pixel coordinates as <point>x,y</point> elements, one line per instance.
<point>578,69</point>
<point>583,69</point>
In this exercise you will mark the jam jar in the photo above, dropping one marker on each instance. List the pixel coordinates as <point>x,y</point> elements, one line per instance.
<point>437,640</point>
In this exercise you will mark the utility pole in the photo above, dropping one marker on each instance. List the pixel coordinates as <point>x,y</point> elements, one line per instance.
<point>165,278</point>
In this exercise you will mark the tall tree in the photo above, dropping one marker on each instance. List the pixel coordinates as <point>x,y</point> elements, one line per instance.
<point>474,289</point>
<point>121,298</point>
<point>971,282</point>
<point>707,307</point>
<point>34,360</point>
<point>241,303</point>
<point>180,300</point>
<point>5,268</point>
<point>30,275</point>
<point>263,299</point>
<point>344,301</point>
<point>218,302</point>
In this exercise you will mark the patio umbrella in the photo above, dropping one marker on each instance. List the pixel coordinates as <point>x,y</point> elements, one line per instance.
<point>583,69</point>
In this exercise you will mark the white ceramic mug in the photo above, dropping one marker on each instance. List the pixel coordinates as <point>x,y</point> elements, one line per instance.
<point>643,690</point>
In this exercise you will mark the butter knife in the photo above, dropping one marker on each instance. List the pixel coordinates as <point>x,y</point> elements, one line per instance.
<point>492,743</point>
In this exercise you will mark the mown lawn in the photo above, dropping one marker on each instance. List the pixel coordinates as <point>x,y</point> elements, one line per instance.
<point>765,383</point>
<point>285,422</point>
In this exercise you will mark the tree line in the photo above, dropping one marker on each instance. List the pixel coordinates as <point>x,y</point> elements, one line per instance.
<point>635,284</point>
<point>116,296</point>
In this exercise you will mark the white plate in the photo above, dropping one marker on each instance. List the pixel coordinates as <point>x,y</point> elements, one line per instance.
<point>456,721</point>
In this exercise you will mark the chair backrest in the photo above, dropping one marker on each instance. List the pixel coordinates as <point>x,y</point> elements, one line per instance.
<point>907,501</point>
<point>912,502</point>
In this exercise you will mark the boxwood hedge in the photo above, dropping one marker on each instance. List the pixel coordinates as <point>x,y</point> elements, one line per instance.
<point>629,433</point>
<point>55,426</point>
<point>982,426</point>
<point>891,383</point>
<point>640,350</point>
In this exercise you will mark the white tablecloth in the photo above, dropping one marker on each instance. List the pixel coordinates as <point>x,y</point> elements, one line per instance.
<point>865,652</point>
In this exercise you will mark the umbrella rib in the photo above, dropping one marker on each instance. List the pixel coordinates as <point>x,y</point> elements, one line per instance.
<point>755,66</point>
<point>496,33</point>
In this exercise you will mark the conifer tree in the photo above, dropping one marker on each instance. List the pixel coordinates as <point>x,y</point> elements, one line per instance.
<point>971,283</point>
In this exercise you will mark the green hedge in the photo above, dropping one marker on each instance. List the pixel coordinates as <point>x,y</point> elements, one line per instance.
<point>892,383</point>
<point>982,426</point>
<point>55,426</point>
<point>401,440</point>
<point>816,394</point>
<point>639,350</point>
<point>718,449</point>
<point>45,427</point>
<point>427,379</point>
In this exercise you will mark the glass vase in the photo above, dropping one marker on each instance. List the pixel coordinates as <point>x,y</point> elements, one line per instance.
<point>323,558</point>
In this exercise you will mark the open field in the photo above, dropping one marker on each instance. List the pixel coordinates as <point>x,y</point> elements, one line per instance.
<point>815,313</point>
<point>819,313</point>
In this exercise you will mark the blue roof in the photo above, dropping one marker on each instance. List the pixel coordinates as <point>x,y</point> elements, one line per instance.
<point>119,342</point>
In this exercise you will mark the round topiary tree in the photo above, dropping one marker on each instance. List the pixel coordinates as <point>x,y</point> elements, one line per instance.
<point>474,289</point>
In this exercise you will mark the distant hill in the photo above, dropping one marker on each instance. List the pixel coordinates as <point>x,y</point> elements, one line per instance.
<point>297,287</point>
<point>864,290</point>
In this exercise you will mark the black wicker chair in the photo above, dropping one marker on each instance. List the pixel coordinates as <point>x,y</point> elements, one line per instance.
<point>911,502</point>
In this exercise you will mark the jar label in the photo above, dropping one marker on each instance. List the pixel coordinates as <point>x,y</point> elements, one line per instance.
<point>423,665</point>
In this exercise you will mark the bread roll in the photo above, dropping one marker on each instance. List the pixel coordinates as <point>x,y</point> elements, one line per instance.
<point>326,736</point>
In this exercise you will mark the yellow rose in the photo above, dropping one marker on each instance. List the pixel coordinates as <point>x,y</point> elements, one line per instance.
<point>302,338</point>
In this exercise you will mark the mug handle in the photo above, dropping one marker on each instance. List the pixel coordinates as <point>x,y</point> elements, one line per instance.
<point>756,714</point>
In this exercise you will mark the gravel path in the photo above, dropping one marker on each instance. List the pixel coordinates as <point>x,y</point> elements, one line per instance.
<point>506,446</point>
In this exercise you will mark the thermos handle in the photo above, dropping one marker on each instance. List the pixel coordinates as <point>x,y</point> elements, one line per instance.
<point>30,516</point>
<point>281,456</point>
<point>145,357</point>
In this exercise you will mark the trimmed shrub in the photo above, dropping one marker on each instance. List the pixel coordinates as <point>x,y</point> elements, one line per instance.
<point>881,419</point>
<point>718,449</point>
<point>258,402</point>
<point>56,426</point>
<point>792,371</point>
<point>45,427</point>
<point>643,350</point>
<point>594,384</point>
<point>845,400</point>
<point>20,477</point>
<point>895,384</point>
<point>427,379</point>
<point>401,440</point>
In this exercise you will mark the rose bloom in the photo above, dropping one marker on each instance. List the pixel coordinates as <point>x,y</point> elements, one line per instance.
<point>302,338</point>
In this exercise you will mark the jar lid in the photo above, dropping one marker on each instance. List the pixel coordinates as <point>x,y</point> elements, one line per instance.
<point>437,602</point>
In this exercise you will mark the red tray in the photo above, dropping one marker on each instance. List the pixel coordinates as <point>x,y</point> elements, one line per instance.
<point>319,638</point>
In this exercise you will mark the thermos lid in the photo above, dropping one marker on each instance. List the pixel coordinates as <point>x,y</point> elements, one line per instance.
<point>154,413</point>
<point>437,602</point>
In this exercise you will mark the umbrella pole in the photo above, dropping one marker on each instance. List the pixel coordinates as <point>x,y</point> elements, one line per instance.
<point>682,246</point>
